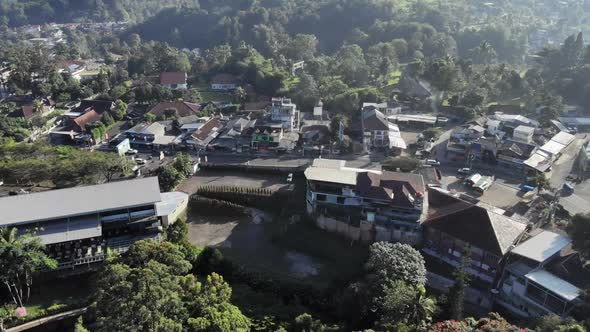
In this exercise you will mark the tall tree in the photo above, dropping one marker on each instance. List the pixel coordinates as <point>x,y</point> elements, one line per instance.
<point>21,258</point>
<point>456,295</point>
<point>396,261</point>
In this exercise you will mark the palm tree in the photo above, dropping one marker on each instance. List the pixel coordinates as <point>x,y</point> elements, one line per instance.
<point>485,52</point>
<point>21,256</point>
<point>424,308</point>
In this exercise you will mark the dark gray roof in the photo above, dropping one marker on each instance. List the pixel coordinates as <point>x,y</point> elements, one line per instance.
<point>78,201</point>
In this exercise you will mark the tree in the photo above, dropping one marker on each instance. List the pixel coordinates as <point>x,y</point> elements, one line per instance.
<point>150,118</point>
<point>301,47</point>
<point>396,261</point>
<point>406,164</point>
<point>350,63</point>
<point>107,119</point>
<point>21,258</point>
<point>239,95</point>
<point>305,94</point>
<point>183,164</point>
<point>169,177</point>
<point>6,314</point>
<point>120,110</point>
<point>554,323</point>
<point>403,303</point>
<point>579,231</point>
<point>432,133</point>
<point>542,182</point>
<point>191,95</point>
<point>456,295</point>
<point>79,327</point>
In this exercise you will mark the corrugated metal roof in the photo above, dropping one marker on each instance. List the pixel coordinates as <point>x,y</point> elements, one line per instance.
<point>331,175</point>
<point>557,285</point>
<point>70,230</point>
<point>329,163</point>
<point>563,138</point>
<point>542,246</point>
<point>77,201</point>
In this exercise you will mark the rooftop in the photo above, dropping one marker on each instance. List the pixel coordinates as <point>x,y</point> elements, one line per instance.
<point>182,108</point>
<point>167,78</point>
<point>542,246</point>
<point>557,285</point>
<point>77,201</point>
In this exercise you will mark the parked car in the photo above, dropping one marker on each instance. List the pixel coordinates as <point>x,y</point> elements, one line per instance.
<point>464,170</point>
<point>568,188</point>
<point>140,161</point>
<point>432,162</point>
<point>527,188</point>
<point>290,178</point>
<point>131,152</point>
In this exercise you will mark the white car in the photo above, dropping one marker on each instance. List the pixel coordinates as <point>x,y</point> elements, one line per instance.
<point>432,162</point>
<point>290,178</point>
<point>140,161</point>
<point>464,170</point>
<point>131,152</point>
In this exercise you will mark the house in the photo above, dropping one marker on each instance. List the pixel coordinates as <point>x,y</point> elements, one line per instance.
<point>201,138</point>
<point>145,133</point>
<point>366,205</point>
<point>523,134</point>
<point>257,106</point>
<point>463,137</point>
<point>28,112</point>
<point>266,137</point>
<point>379,133</point>
<point>224,82</point>
<point>190,123</point>
<point>455,224</point>
<point>414,88</point>
<point>513,154</point>
<point>79,123</point>
<point>173,80</point>
<point>543,276</point>
<point>285,113</point>
<point>78,225</point>
<point>237,135</point>
<point>542,160</point>
<point>177,108</point>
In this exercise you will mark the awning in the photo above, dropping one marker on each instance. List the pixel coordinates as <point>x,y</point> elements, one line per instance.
<point>70,230</point>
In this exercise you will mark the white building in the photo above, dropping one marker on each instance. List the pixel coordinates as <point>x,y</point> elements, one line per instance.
<point>286,113</point>
<point>523,134</point>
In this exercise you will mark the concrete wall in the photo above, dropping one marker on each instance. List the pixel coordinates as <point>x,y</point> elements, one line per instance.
<point>367,232</point>
<point>179,211</point>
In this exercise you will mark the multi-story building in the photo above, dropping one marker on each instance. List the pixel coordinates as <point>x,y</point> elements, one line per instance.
<point>366,205</point>
<point>378,132</point>
<point>283,111</point>
<point>542,276</point>
<point>77,225</point>
<point>456,227</point>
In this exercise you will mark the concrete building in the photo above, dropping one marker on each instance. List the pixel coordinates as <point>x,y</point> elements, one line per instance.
<point>78,224</point>
<point>224,82</point>
<point>366,205</point>
<point>283,111</point>
<point>378,133</point>
<point>543,276</point>
<point>523,134</point>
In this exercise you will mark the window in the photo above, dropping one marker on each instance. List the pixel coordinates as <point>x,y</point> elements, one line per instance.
<point>321,197</point>
<point>340,200</point>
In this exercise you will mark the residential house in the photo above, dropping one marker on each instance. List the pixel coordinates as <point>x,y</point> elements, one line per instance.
<point>257,106</point>
<point>456,226</point>
<point>462,137</point>
<point>512,154</point>
<point>523,134</point>
<point>512,121</point>
<point>145,135</point>
<point>203,136</point>
<point>542,159</point>
<point>379,133</point>
<point>173,80</point>
<point>266,137</point>
<point>79,225</point>
<point>283,111</point>
<point>543,276</point>
<point>79,123</point>
<point>237,135</point>
<point>190,123</point>
<point>175,108</point>
<point>224,82</point>
<point>366,205</point>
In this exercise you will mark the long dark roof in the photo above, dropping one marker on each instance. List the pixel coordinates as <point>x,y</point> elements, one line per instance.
<point>402,186</point>
<point>99,106</point>
<point>476,225</point>
<point>374,120</point>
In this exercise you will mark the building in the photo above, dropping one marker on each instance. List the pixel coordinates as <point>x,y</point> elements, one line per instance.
<point>523,134</point>
<point>378,133</point>
<point>201,138</point>
<point>79,224</point>
<point>542,276</point>
<point>173,80</point>
<point>177,108</point>
<point>122,147</point>
<point>149,136</point>
<point>283,111</point>
<point>266,137</point>
<point>542,160</point>
<point>455,224</point>
<point>366,205</point>
<point>224,82</point>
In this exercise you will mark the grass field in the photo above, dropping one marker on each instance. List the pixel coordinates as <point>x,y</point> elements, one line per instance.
<point>216,96</point>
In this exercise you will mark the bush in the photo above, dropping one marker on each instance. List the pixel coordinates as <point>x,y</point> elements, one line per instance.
<point>405,164</point>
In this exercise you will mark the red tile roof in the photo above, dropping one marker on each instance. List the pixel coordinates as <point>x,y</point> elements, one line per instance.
<point>182,108</point>
<point>88,117</point>
<point>28,111</point>
<point>172,78</point>
<point>206,129</point>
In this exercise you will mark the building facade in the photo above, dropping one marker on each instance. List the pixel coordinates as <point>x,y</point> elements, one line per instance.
<point>283,111</point>
<point>366,205</point>
<point>79,224</point>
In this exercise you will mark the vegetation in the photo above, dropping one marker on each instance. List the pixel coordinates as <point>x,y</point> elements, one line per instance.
<point>403,163</point>
<point>62,166</point>
<point>21,258</point>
